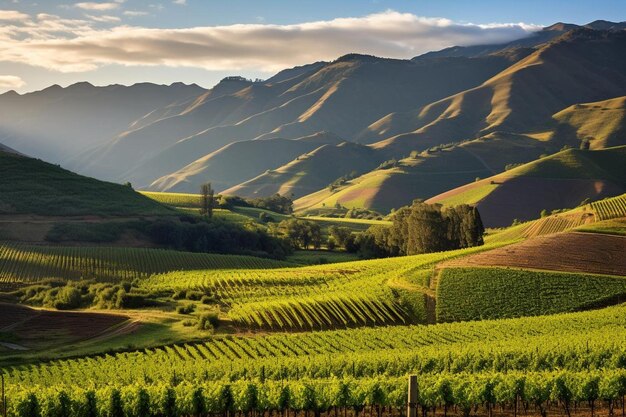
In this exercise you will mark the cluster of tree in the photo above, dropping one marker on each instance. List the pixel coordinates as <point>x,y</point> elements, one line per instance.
<point>194,234</point>
<point>392,163</point>
<point>423,228</point>
<point>276,203</point>
<point>301,234</point>
<point>342,237</point>
<point>342,180</point>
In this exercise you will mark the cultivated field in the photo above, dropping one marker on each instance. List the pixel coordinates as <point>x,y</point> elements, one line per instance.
<point>573,252</point>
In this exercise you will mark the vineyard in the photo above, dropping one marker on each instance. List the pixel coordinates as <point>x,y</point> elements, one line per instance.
<point>23,263</point>
<point>610,208</point>
<point>175,199</point>
<point>489,293</point>
<point>547,354</point>
<point>316,297</point>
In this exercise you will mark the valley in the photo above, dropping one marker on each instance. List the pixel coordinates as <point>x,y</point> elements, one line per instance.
<point>307,243</point>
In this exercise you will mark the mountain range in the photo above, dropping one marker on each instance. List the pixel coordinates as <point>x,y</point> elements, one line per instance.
<point>401,129</point>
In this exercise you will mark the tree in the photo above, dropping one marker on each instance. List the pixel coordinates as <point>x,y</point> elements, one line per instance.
<point>208,200</point>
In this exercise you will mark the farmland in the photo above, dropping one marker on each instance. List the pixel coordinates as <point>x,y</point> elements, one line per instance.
<point>26,264</point>
<point>602,254</point>
<point>483,293</point>
<point>370,362</point>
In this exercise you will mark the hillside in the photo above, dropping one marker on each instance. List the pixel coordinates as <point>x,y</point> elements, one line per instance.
<point>520,99</point>
<point>562,180</point>
<point>56,124</point>
<point>428,173</point>
<point>310,172</point>
<point>515,117</point>
<point>296,104</point>
<point>602,123</point>
<point>224,167</point>
<point>31,186</point>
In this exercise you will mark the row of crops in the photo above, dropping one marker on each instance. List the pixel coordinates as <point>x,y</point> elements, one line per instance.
<point>610,208</point>
<point>176,199</point>
<point>543,392</point>
<point>30,263</point>
<point>490,293</point>
<point>315,297</point>
<point>574,341</point>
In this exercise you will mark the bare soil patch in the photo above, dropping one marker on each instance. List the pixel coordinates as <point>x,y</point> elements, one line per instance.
<point>38,328</point>
<point>568,252</point>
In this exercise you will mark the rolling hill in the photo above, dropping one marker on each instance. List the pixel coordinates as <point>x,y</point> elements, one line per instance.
<point>31,186</point>
<point>515,117</point>
<point>224,168</point>
<point>561,180</point>
<point>301,102</point>
<point>56,124</point>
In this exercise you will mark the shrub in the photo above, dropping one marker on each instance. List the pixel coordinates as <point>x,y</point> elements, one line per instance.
<point>188,309</point>
<point>208,321</point>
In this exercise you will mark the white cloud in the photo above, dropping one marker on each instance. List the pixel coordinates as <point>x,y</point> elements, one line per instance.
<point>180,2</point>
<point>12,15</point>
<point>89,5</point>
<point>264,47</point>
<point>134,13</point>
<point>11,82</point>
<point>104,18</point>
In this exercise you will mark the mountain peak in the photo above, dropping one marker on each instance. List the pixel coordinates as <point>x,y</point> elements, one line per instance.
<point>358,57</point>
<point>606,25</point>
<point>561,27</point>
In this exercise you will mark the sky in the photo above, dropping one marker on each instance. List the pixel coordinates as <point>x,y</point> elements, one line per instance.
<point>47,42</point>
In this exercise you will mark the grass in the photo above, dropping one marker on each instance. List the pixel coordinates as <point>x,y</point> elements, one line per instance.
<point>578,164</point>
<point>471,196</point>
<point>491,293</point>
<point>610,227</point>
<point>31,186</point>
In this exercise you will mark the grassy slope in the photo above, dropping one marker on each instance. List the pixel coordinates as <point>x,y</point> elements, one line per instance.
<point>225,169</point>
<point>603,123</point>
<point>30,186</point>
<point>491,293</point>
<point>310,172</point>
<point>524,191</point>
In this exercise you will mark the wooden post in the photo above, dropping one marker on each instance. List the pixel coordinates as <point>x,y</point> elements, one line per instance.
<point>412,406</point>
<point>4,398</point>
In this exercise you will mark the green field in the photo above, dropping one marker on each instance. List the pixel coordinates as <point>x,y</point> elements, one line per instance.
<point>490,293</point>
<point>21,263</point>
<point>373,363</point>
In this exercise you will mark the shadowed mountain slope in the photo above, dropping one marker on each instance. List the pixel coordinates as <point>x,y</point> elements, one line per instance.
<point>57,123</point>
<point>239,162</point>
<point>558,181</point>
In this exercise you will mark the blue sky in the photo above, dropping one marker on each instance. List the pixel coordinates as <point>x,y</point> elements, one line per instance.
<point>201,41</point>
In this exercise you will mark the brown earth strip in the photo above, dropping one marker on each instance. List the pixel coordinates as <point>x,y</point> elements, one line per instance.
<point>568,252</point>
